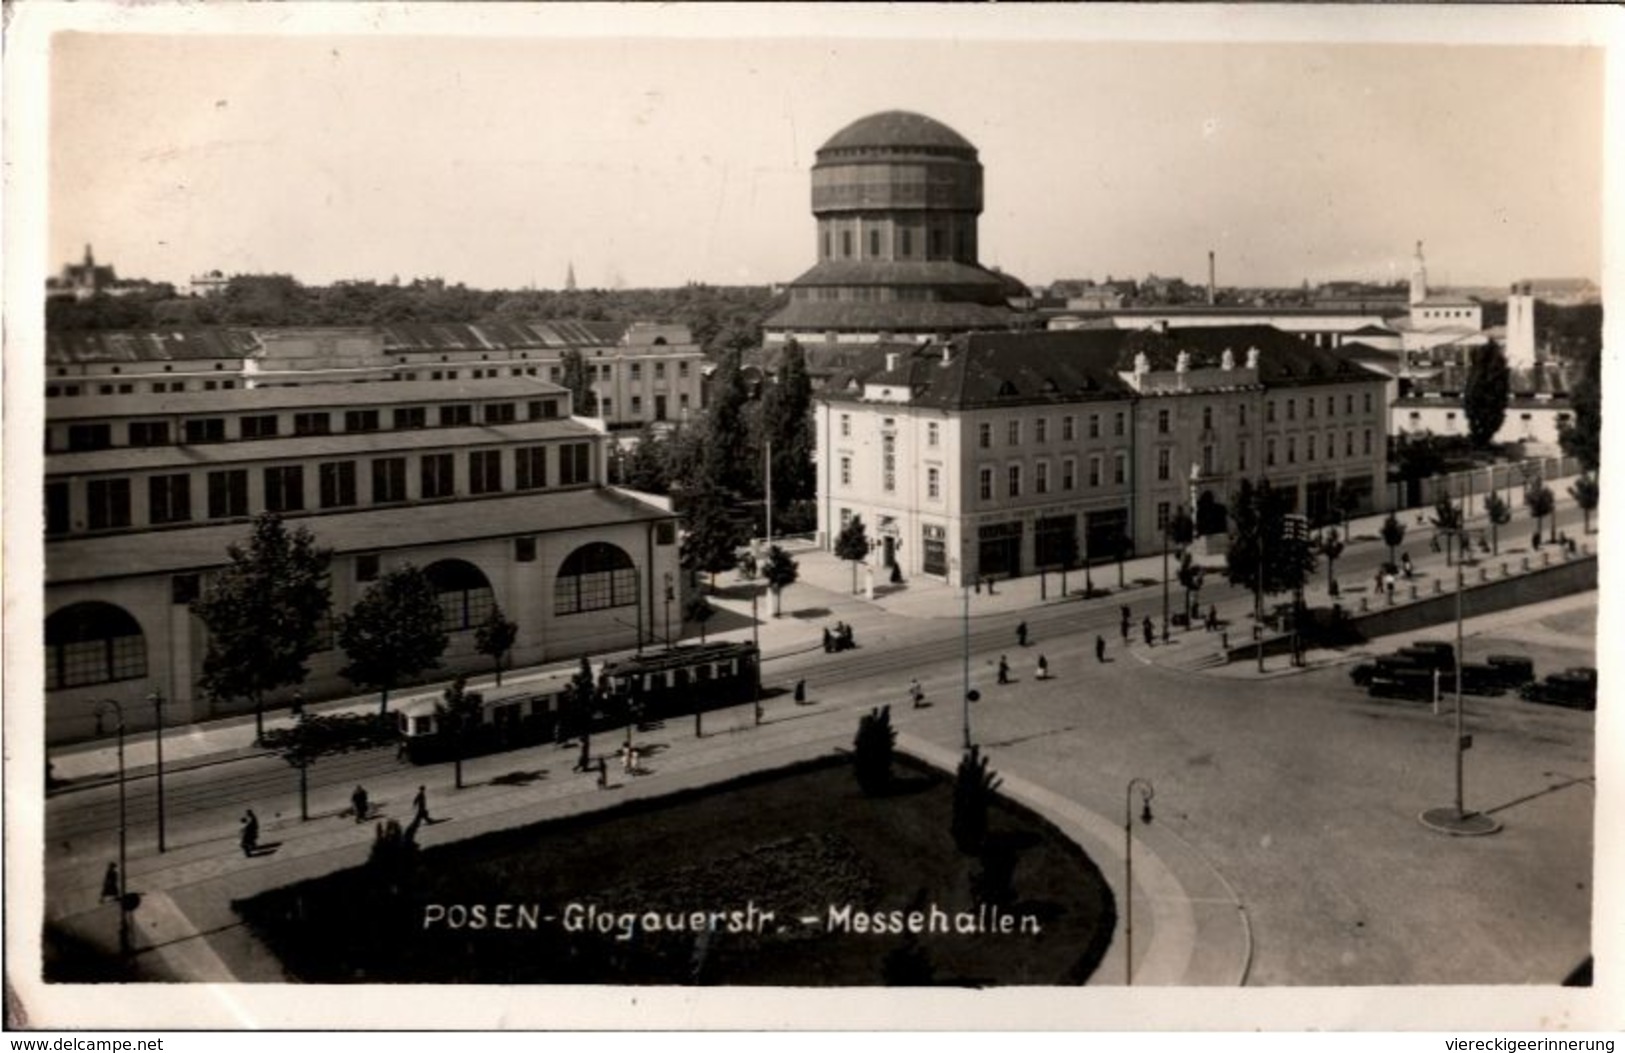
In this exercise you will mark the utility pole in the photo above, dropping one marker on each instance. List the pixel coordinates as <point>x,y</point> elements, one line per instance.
<point>157,698</point>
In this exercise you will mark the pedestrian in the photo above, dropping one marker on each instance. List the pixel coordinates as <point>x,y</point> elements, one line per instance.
<point>829,643</point>
<point>1405,565</point>
<point>1388,584</point>
<point>1212,617</point>
<point>298,706</point>
<point>1021,634</point>
<point>110,883</point>
<point>358,802</point>
<point>801,691</point>
<point>1127,620</point>
<point>915,694</point>
<point>635,765</point>
<point>990,584</point>
<point>1150,634</point>
<point>251,832</point>
<point>627,763</point>
<point>1043,668</point>
<point>603,773</point>
<point>584,758</point>
<point>1100,649</point>
<point>420,807</point>
<point>1004,670</point>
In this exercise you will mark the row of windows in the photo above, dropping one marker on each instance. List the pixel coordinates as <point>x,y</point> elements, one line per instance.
<point>1311,448</point>
<point>98,435</point>
<point>170,499</point>
<point>905,244</point>
<point>1042,483</point>
<point>1309,404</point>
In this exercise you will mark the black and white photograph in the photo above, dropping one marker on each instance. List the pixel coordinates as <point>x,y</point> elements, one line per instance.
<point>810,516</point>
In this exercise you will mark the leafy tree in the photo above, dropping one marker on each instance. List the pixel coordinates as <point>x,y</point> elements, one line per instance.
<point>785,423</point>
<point>1484,397</point>
<point>393,633</point>
<point>780,571</point>
<point>1259,514</point>
<point>1331,546</point>
<point>1393,533</point>
<point>974,789</point>
<point>1181,528</point>
<point>1583,437</point>
<point>1418,456</point>
<point>1447,520</point>
<point>573,375</point>
<point>1585,493</point>
<point>1190,579</point>
<point>1540,501</point>
<point>852,545</point>
<point>495,636</point>
<point>1500,514</point>
<point>581,697</point>
<point>458,713</point>
<point>712,536</point>
<point>264,613</point>
<point>699,610</point>
<point>872,751</point>
<point>645,466</point>
<point>727,460</point>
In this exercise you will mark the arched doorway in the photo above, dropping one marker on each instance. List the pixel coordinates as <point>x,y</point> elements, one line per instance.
<point>93,643</point>
<point>465,593</point>
<point>595,577</point>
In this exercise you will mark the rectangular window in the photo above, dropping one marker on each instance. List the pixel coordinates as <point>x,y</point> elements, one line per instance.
<point>1368,440</point>
<point>542,409</point>
<point>1119,468</point>
<point>437,476</point>
<point>260,427</point>
<point>1331,405</point>
<point>1041,429</point>
<point>1067,428</point>
<point>337,484</point>
<point>485,472</point>
<point>874,244</point>
<point>1164,465</point>
<point>228,494</point>
<point>1041,477</point>
<point>1162,422</point>
<point>530,468</point>
<point>149,433</point>
<point>1269,412</point>
<point>455,416</point>
<point>409,417</point>
<point>888,462</point>
<point>1013,432</point>
<point>933,483</point>
<point>606,409</point>
<point>682,371</point>
<point>1309,446</point>
<point>931,434</point>
<point>1348,443</point>
<point>846,244</point>
<point>312,424</point>
<point>1069,474</point>
<point>1348,403</point>
<point>169,499</point>
<point>361,420</point>
<point>846,471</point>
<point>1241,415</point>
<point>109,503</point>
<point>366,567</point>
<point>1207,418</point>
<point>206,429</point>
<point>58,509</point>
<point>1118,425</point>
<point>1164,514</point>
<point>1291,409</point>
<point>933,550</point>
<point>1308,408</point>
<point>1013,478</point>
<point>575,460</point>
<point>1291,449</point>
<point>984,484</point>
<point>984,436</point>
<point>637,370</point>
<point>637,405</point>
<point>1241,456</point>
<point>846,425</point>
<point>1094,425</point>
<point>388,480</point>
<point>499,413</point>
<point>1269,453</point>
<point>285,488</point>
<point>524,550</point>
<point>1368,402</point>
<point>1094,470</point>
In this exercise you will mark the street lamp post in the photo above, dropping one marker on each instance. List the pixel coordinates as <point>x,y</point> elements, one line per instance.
<point>668,608</point>
<point>1146,793</point>
<point>1165,527</point>
<point>157,698</point>
<point>123,828</point>
<point>968,695</point>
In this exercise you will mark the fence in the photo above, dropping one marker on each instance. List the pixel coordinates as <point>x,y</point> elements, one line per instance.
<point>1468,488</point>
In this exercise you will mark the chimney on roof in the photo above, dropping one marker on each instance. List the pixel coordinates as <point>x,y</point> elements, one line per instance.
<point>891,361</point>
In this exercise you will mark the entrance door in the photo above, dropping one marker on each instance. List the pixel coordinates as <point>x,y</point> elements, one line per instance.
<point>890,546</point>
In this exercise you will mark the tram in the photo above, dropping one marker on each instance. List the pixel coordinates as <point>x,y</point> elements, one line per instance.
<point>680,680</point>
<point>511,716</point>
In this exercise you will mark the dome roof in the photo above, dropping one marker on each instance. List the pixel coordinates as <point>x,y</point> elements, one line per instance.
<point>897,128</point>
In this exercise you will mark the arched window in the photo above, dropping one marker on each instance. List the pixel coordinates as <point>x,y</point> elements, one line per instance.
<point>594,577</point>
<point>465,594</point>
<point>93,643</point>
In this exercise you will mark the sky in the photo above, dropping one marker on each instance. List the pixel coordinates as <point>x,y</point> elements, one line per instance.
<point>656,150</point>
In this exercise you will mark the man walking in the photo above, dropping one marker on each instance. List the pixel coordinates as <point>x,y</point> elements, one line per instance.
<point>1004,670</point>
<point>251,832</point>
<point>1127,619</point>
<point>1021,634</point>
<point>1043,668</point>
<point>358,803</point>
<point>915,694</point>
<point>1100,649</point>
<point>420,807</point>
<point>1150,634</point>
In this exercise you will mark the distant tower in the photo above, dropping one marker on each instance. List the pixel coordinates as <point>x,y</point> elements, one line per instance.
<point>1419,277</point>
<point>570,277</point>
<point>1212,292</point>
<point>1520,348</point>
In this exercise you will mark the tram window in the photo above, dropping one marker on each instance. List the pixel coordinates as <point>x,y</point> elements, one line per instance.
<point>702,673</point>
<point>422,725</point>
<point>682,677</point>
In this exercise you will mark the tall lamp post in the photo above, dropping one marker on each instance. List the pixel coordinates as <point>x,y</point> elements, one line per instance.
<point>1146,793</point>
<point>1456,819</point>
<point>123,827</point>
<point>1165,527</point>
<point>157,700</point>
<point>970,694</point>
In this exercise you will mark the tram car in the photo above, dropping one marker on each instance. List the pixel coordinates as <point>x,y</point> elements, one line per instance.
<point>681,680</point>
<point>519,713</point>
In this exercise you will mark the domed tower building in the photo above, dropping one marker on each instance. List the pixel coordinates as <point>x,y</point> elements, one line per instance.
<point>896,196</point>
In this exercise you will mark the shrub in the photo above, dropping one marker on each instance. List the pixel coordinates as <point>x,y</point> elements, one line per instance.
<point>872,751</point>
<point>974,787</point>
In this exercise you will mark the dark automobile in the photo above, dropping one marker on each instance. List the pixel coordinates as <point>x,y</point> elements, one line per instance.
<point>1386,665</point>
<point>1414,684</point>
<point>1431,654</point>
<point>1572,689</point>
<point>1515,670</point>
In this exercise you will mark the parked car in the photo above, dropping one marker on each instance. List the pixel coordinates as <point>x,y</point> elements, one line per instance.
<point>1572,688</point>
<point>1515,670</point>
<point>1413,684</point>
<point>1433,654</point>
<point>1386,665</point>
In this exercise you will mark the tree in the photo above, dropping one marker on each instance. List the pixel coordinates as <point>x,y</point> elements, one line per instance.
<point>784,423</point>
<point>780,571</point>
<point>712,537</point>
<point>852,545</point>
<point>645,466</point>
<point>1259,514</point>
<point>264,614</point>
<point>1484,396</point>
<point>458,713</point>
<point>1181,528</point>
<point>494,638</point>
<point>1393,533</point>
<point>872,751</point>
<point>583,403</point>
<point>1585,494</point>
<point>726,463</point>
<point>698,610</point>
<point>580,699</point>
<point>974,789</point>
<point>1500,514</point>
<point>1583,438</point>
<point>1447,520</point>
<point>1540,501</point>
<point>1331,546</point>
<point>1190,579</point>
<point>393,633</point>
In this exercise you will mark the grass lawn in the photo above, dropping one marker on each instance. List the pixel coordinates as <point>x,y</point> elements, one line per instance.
<point>797,842</point>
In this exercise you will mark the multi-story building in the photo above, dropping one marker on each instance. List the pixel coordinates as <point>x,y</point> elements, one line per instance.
<point>996,454</point>
<point>489,485</point>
